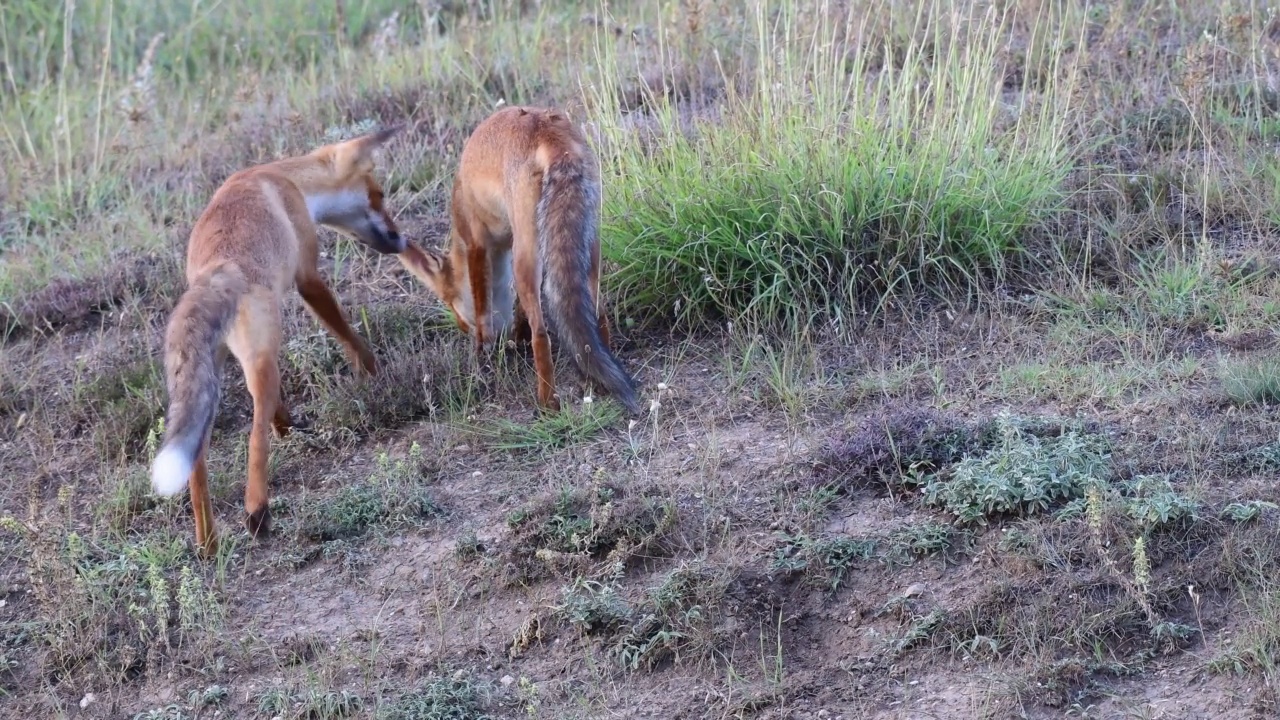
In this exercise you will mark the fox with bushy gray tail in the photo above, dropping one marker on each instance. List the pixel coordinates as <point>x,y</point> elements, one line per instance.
<point>525,216</point>
<point>256,240</point>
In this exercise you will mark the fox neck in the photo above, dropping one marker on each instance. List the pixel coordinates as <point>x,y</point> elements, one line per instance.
<point>326,201</point>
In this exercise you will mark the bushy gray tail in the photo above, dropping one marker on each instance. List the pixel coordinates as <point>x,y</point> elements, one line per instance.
<point>193,373</point>
<point>568,227</point>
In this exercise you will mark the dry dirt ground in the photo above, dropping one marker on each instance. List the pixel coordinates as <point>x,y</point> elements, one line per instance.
<point>500,563</point>
<point>1051,499</point>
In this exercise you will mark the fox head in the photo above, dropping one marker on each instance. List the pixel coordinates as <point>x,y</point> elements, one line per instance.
<point>436,270</point>
<point>352,201</point>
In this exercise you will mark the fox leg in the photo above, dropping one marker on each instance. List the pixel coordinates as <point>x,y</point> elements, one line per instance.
<point>528,280</point>
<point>282,422</point>
<point>202,508</point>
<point>317,297</point>
<point>527,269</point>
<point>520,332</point>
<point>478,275</point>
<point>255,342</point>
<point>263,378</point>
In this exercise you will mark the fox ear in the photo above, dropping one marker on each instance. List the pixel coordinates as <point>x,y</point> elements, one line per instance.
<point>358,151</point>
<point>366,144</point>
<point>381,136</point>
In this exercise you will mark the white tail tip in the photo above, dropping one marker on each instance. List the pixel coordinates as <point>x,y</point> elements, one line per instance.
<point>170,472</point>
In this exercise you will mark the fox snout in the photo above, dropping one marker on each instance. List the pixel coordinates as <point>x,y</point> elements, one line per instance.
<point>380,234</point>
<point>387,242</point>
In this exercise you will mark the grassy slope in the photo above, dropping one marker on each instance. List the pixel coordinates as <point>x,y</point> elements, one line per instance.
<point>1069,216</point>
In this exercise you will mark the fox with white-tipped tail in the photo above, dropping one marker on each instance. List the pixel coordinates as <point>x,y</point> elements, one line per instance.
<point>254,241</point>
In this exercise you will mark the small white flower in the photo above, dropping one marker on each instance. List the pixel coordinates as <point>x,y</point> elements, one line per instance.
<point>662,387</point>
<point>587,400</point>
<point>631,426</point>
<point>654,405</point>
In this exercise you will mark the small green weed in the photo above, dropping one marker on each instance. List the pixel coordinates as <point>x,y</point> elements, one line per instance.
<point>393,496</point>
<point>574,526</point>
<point>273,702</point>
<point>437,699</point>
<point>828,560</point>
<point>818,501</point>
<point>1022,474</point>
<point>209,697</point>
<point>317,704</point>
<point>1247,511</point>
<point>593,606</point>
<point>1149,500</point>
<point>678,617</point>
<point>1152,501</point>
<point>916,541</point>
<point>920,630</point>
<point>168,712</point>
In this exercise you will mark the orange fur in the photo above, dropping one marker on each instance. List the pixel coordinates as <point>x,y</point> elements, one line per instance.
<point>254,241</point>
<point>525,218</point>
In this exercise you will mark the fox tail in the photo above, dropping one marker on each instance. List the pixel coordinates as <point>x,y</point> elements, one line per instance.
<point>568,227</point>
<point>193,359</point>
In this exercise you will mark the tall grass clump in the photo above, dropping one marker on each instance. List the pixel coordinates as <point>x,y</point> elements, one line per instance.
<point>866,149</point>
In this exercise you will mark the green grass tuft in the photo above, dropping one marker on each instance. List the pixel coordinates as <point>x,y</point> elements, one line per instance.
<point>815,187</point>
<point>1251,381</point>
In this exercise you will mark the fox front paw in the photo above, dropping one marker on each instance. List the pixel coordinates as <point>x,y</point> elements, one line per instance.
<point>366,361</point>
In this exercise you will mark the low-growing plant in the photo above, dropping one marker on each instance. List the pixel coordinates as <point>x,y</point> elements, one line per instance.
<point>209,697</point>
<point>550,431</point>
<point>920,540</point>
<point>828,559</point>
<point>1022,474</point>
<point>1153,502</point>
<point>394,495</point>
<point>1242,512</point>
<point>273,702</point>
<point>678,615</point>
<point>438,698</point>
<point>593,606</point>
<point>575,526</point>
<point>171,711</point>
<point>317,704</point>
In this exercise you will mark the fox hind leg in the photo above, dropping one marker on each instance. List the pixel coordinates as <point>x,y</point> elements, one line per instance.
<point>527,268</point>
<point>255,342</point>
<point>264,385</point>
<point>202,508</point>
